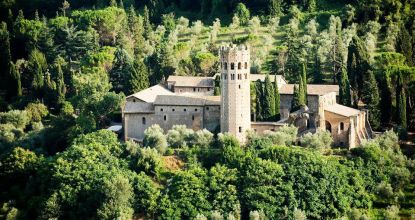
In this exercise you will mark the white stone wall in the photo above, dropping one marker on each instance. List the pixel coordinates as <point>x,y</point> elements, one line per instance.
<point>235,90</point>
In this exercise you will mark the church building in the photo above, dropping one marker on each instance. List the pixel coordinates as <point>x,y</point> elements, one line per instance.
<point>190,101</point>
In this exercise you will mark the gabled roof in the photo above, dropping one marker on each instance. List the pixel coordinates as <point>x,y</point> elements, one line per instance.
<point>312,89</point>
<point>187,100</point>
<point>255,77</point>
<point>342,110</point>
<point>150,94</point>
<point>138,107</point>
<point>191,81</point>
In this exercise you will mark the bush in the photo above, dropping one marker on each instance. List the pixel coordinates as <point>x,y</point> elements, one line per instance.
<point>320,140</point>
<point>19,119</point>
<point>36,111</point>
<point>154,138</point>
<point>149,161</point>
<point>256,141</point>
<point>179,136</point>
<point>202,138</point>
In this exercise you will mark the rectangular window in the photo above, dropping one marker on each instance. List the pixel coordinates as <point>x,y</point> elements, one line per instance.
<point>194,89</point>
<point>240,129</point>
<point>144,120</point>
<point>232,66</point>
<point>165,117</point>
<point>193,117</point>
<point>161,109</point>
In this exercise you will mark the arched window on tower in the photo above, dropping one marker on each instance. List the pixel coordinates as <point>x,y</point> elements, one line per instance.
<point>246,65</point>
<point>232,66</point>
<point>226,65</point>
<point>239,66</point>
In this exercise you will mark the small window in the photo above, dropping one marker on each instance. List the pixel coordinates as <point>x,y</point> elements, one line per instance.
<point>341,144</point>
<point>240,129</point>
<point>165,117</point>
<point>184,110</point>
<point>239,66</point>
<point>232,76</point>
<point>133,100</point>
<point>144,120</point>
<point>208,89</point>
<point>195,109</point>
<point>193,117</point>
<point>341,126</point>
<point>272,129</point>
<point>226,65</point>
<point>207,108</point>
<point>173,110</point>
<point>161,109</point>
<point>194,89</point>
<point>246,65</point>
<point>239,86</point>
<point>232,66</point>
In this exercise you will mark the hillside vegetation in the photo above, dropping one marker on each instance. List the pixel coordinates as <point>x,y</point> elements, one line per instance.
<point>66,67</point>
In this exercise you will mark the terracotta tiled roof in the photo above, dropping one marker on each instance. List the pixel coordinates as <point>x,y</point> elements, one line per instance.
<point>138,107</point>
<point>342,110</point>
<point>191,81</point>
<point>187,100</point>
<point>150,94</point>
<point>312,89</point>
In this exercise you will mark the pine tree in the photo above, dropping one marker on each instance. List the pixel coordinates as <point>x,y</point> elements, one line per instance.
<point>5,59</point>
<point>277,99</point>
<point>371,98</point>
<point>401,103</point>
<point>138,78</point>
<point>269,99</point>
<point>259,99</point>
<point>344,89</point>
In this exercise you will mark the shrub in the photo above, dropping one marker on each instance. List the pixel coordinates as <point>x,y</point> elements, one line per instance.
<point>202,138</point>
<point>149,161</point>
<point>19,119</point>
<point>320,140</point>
<point>179,136</point>
<point>154,138</point>
<point>36,111</point>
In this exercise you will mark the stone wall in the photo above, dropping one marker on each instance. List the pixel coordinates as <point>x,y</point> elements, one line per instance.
<point>206,91</point>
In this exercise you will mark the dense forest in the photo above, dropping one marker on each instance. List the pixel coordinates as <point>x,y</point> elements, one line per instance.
<point>66,67</point>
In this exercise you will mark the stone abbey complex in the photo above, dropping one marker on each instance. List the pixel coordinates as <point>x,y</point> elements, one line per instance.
<point>190,101</point>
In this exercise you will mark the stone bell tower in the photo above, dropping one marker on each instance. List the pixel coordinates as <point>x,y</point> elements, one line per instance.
<point>235,91</point>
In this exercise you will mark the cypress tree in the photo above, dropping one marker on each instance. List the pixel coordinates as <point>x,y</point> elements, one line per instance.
<point>16,83</point>
<point>401,103</point>
<point>301,93</point>
<point>60,83</point>
<point>269,99</point>
<point>274,7</point>
<point>296,99</point>
<point>371,98</point>
<point>5,59</point>
<point>259,99</point>
<point>304,81</point>
<point>344,89</point>
<point>146,22</point>
<point>37,67</point>
<point>404,45</point>
<point>277,99</point>
<point>138,78</point>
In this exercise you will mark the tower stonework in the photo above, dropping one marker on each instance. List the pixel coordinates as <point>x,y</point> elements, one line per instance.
<point>235,90</point>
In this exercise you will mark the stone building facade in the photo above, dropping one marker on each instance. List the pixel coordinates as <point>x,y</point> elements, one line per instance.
<point>182,100</point>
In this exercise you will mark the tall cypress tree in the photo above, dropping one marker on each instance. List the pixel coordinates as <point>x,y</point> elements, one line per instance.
<point>295,102</point>
<point>15,82</point>
<point>60,82</point>
<point>370,97</point>
<point>37,68</point>
<point>304,81</point>
<point>148,28</point>
<point>277,99</point>
<point>138,78</point>
<point>269,99</point>
<point>5,59</point>
<point>344,89</point>
<point>301,93</point>
<point>401,103</point>
<point>259,99</point>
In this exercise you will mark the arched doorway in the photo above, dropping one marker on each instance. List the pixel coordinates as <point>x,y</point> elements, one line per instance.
<point>328,126</point>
